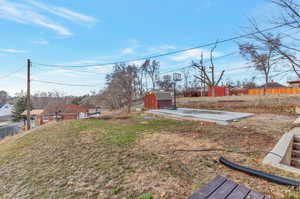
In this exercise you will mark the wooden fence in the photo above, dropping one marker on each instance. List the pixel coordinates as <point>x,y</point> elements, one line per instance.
<point>270,91</point>
<point>9,130</point>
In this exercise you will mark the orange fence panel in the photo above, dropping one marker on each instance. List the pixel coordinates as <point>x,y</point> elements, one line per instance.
<point>270,91</point>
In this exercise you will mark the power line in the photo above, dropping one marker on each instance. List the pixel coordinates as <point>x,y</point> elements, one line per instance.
<point>12,73</point>
<point>205,62</point>
<point>64,84</point>
<point>72,70</point>
<point>168,53</point>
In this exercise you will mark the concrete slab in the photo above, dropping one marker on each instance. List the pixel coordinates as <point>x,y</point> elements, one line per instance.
<point>219,117</point>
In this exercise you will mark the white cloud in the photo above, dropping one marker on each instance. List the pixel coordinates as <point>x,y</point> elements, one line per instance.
<point>195,54</point>
<point>41,42</point>
<point>34,13</point>
<point>162,48</point>
<point>63,12</point>
<point>134,44</point>
<point>12,51</point>
<point>128,51</point>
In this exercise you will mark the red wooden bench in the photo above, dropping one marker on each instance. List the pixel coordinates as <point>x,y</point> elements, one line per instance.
<point>222,188</point>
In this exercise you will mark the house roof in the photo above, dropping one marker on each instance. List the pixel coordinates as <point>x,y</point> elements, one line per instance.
<point>2,104</point>
<point>272,85</point>
<point>161,95</point>
<point>51,109</point>
<point>34,112</point>
<point>294,82</point>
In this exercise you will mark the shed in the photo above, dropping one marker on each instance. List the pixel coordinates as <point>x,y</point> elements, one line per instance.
<point>36,117</point>
<point>220,91</point>
<point>158,100</point>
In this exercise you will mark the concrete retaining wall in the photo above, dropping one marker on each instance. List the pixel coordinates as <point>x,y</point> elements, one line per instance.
<point>281,153</point>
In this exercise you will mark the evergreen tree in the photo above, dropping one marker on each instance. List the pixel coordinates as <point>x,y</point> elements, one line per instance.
<point>19,108</point>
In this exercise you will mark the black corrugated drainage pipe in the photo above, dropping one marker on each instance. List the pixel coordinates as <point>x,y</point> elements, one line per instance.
<point>260,174</point>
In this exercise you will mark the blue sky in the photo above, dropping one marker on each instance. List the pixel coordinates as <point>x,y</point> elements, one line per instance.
<point>80,32</point>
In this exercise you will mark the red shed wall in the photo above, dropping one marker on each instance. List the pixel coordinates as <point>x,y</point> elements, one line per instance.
<point>150,101</point>
<point>219,90</point>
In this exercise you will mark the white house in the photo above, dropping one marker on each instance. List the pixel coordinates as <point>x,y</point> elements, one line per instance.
<point>5,109</point>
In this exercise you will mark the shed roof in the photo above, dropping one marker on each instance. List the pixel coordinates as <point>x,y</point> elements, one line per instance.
<point>34,112</point>
<point>161,95</point>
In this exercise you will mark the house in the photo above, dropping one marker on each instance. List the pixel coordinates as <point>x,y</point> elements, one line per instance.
<point>5,110</point>
<point>158,100</point>
<point>94,112</point>
<point>294,84</point>
<point>36,117</point>
<point>64,112</point>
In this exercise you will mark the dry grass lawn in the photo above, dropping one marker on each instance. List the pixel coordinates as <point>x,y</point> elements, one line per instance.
<point>132,158</point>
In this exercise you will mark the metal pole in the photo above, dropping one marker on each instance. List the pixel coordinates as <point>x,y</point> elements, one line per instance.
<point>175,94</point>
<point>28,93</point>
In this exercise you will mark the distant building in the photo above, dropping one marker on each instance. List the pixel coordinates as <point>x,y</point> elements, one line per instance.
<point>5,110</point>
<point>158,100</point>
<point>36,117</point>
<point>294,83</point>
<point>60,112</point>
<point>65,112</point>
<point>272,85</point>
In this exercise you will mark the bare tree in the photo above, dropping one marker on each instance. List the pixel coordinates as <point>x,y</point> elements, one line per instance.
<point>3,96</point>
<point>262,57</point>
<point>288,50</point>
<point>122,83</point>
<point>152,70</point>
<point>249,83</point>
<point>186,78</point>
<point>204,77</point>
<point>165,83</point>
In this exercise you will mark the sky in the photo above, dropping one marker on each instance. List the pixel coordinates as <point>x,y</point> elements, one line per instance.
<point>64,32</point>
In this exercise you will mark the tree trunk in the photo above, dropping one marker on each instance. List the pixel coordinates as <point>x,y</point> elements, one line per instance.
<point>213,91</point>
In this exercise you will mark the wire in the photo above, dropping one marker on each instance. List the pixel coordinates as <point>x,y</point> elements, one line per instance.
<point>12,73</point>
<point>190,65</point>
<point>64,84</point>
<point>72,70</point>
<point>168,53</point>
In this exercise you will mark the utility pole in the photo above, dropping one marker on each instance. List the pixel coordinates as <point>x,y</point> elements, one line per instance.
<point>213,92</point>
<point>175,106</point>
<point>176,78</point>
<point>28,93</point>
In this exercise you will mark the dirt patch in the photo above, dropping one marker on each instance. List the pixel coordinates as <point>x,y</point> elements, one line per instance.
<point>166,142</point>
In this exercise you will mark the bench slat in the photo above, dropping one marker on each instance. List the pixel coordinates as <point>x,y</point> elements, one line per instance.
<point>223,191</point>
<point>240,192</point>
<point>209,188</point>
<point>255,195</point>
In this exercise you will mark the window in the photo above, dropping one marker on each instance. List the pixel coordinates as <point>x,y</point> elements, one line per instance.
<point>45,119</point>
